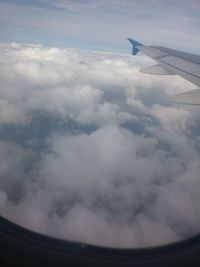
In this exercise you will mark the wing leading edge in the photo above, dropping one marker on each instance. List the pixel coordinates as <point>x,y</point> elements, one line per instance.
<point>173,62</point>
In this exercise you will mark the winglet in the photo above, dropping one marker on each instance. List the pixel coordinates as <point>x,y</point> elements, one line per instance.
<point>135,45</point>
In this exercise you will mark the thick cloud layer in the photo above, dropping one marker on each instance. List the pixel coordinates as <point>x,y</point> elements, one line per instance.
<point>92,150</point>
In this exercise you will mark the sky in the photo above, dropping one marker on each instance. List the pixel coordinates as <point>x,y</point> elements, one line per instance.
<point>91,149</point>
<point>102,25</point>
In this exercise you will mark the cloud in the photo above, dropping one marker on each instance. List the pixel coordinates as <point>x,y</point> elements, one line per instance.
<point>92,150</point>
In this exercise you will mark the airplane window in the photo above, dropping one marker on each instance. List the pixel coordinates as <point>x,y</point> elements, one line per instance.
<point>92,149</point>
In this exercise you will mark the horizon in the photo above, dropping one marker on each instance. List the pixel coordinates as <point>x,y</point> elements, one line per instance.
<point>102,26</point>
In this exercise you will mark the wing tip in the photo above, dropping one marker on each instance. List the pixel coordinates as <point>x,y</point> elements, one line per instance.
<point>134,42</point>
<point>135,45</point>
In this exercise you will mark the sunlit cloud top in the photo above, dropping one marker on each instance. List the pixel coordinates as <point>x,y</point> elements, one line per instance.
<point>92,150</point>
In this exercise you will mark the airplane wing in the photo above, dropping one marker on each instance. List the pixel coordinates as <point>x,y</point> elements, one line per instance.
<point>173,62</point>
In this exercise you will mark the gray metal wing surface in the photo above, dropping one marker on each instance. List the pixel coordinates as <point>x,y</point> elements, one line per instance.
<point>173,62</point>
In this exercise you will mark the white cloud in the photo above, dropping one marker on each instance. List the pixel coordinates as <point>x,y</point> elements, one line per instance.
<point>92,150</point>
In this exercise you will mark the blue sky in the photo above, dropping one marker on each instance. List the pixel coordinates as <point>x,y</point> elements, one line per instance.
<point>102,25</point>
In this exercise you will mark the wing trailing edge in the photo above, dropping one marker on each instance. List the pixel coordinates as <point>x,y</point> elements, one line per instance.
<point>188,98</point>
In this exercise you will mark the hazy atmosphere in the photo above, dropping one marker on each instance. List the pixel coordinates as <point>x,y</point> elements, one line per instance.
<point>91,149</point>
<point>102,24</point>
